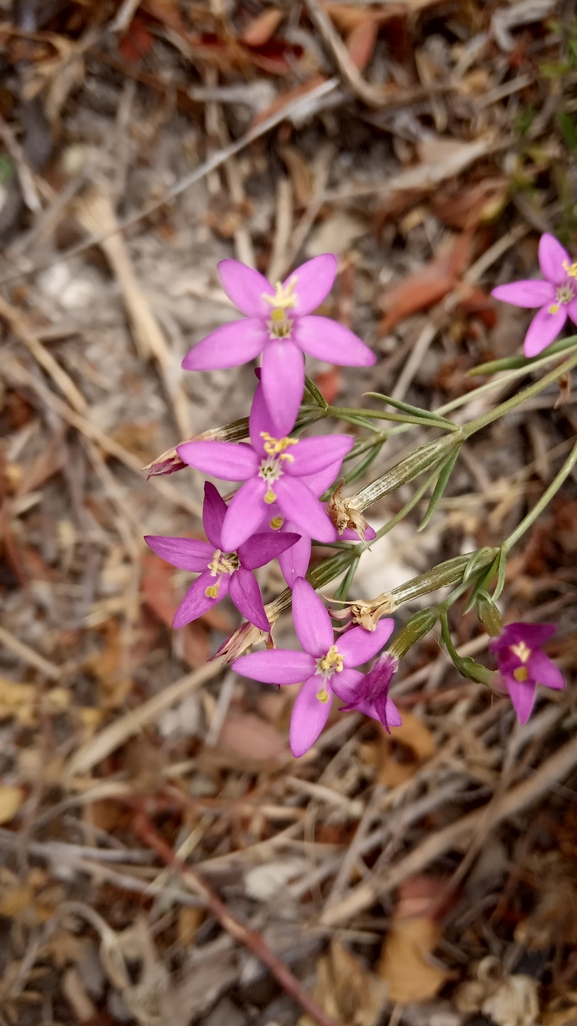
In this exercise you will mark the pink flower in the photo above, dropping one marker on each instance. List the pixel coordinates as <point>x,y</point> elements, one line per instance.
<point>325,666</point>
<point>557,295</point>
<point>274,470</point>
<point>371,695</point>
<point>523,665</point>
<point>222,572</point>
<point>280,327</point>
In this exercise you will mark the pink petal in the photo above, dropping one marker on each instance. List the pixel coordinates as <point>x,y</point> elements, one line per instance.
<point>314,281</point>
<point>185,553</point>
<point>295,561</point>
<point>314,454</point>
<point>350,535</point>
<point>543,671</point>
<point>245,593</point>
<point>311,619</point>
<point>277,666</point>
<point>228,346</point>
<point>394,718</point>
<point>346,685</point>
<point>227,460</point>
<point>322,479</point>
<point>259,549</point>
<point>328,340</point>
<point>213,514</point>
<point>196,602</point>
<point>526,293</point>
<point>358,644</point>
<point>245,288</point>
<point>522,695</point>
<point>552,255</point>
<point>309,716</point>
<point>298,504</point>
<point>543,330</point>
<point>572,310</point>
<point>244,515</point>
<point>259,421</point>
<point>283,383</point>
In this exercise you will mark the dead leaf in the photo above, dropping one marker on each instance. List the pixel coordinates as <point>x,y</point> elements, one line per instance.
<point>507,1000</point>
<point>17,700</point>
<point>190,919</point>
<point>361,42</point>
<point>11,799</point>
<point>260,29</point>
<point>346,990</point>
<point>404,752</point>
<point>248,735</point>
<point>405,964</point>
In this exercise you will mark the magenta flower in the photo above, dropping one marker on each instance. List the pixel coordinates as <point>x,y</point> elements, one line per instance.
<point>274,470</point>
<point>222,572</point>
<point>280,327</point>
<point>557,295</point>
<point>523,665</point>
<point>371,694</point>
<point>325,666</point>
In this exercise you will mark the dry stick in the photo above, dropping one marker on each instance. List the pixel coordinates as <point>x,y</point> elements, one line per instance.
<point>459,833</point>
<point>297,107</point>
<point>250,938</point>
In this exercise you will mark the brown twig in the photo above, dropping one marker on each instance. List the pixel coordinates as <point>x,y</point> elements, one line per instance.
<point>143,826</point>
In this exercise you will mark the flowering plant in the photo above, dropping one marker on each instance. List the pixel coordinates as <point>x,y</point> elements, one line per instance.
<point>281,503</point>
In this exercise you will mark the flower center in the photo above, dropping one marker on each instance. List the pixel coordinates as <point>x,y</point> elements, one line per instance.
<point>271,467</point>
<point>330,663</point>
<point>522,651</point>
<point>221,563</point>
<point>280,326</point>
<point>564,293</point>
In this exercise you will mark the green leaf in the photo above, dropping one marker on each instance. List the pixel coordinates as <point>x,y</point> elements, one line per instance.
<point>478,561</point>
<point>342,592</point>
<point>513,362</point>
<point>414,411</point>
<point>363,465</point>
<point>315,394</point>
<point>501,572</point>
<point>442,482</point>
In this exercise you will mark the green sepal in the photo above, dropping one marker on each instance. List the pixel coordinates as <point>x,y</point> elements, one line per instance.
<point>489,614</point>
<point>478,561</point>
<point>501,571</point>
<point>439,489</point>
<point>413,630</point>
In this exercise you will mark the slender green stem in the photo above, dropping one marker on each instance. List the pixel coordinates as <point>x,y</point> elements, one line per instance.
<point>543,501</point>
<point>353,416</point>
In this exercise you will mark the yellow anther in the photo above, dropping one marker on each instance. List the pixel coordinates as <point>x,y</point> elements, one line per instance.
<point>276,523</point>
<point>277,315</point>
<point>284,297</point>
<point>274,446</point>
<point>323,696</point>
<point>571,269</point>
<point>522,651</point>
<point>212,590</point>
<point>521,673</point>
<point>270,497</point>
<point>553,309</point>
<point>223,564</point>
<point>332,662</point>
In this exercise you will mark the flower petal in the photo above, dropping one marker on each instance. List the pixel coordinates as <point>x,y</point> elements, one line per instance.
<point>328,340</point>
<point>346,685</point>
<point>277,666</point>
<point>196,601</point>
<point>532,634</point>
<point>259,421</point>
<point>522,695</point>
<point>314,281</point>
<point>227,460</point>
<point>228,346</point>
<point>322,479</point>
<point>543,330</point>
<point>543,671</point>
<point>245,288</point>
<point>213,514</point>
<point>299,505</point>
<point>283,383</point>
<point>351,535</point>
<point>526,293</point>
<point>245,593</point>
<point>572,310</point>
<point>185,553</point>
<point>309,716</point>
<point>311,619</point>
<point>358,644</point>
<point>552,255</point>
<point>244,515</point>
<point>259,549</point>
<point>314,454</point>
<point>295,561</point>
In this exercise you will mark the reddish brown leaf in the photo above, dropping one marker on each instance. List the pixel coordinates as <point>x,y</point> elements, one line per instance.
<point>260,29</point>
<point>330,384</point>
<point>137,41</point>
<point>361,42</point>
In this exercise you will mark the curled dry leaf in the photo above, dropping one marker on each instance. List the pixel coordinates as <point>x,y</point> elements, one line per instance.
<point>405,961</point>
<point>403,753</point>
<point>507,1000</point>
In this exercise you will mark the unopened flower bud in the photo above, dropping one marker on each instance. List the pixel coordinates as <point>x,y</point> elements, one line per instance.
<point>489,614</point>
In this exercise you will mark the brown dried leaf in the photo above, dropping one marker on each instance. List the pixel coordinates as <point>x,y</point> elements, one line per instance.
<point>361,42</point>
<point>346,990</point>
<point>404,962</point>
<point>11,799</point>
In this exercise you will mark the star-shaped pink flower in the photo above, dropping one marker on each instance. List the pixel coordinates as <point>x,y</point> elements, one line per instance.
<point>523,665</point>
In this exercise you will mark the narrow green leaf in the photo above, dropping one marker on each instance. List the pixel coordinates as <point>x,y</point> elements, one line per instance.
<point>415,411</point>
<point>315,394</point>
<point>442,482</point>
<point>501,572</point>
<point>514,362</point>
<point>342,592</point>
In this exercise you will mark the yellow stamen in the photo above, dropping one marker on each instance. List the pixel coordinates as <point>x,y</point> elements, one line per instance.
<point>274,446</point>
<point>571,269</point>
<point>276,523</point>
<point>212,590</point>
<point>270,497</point>
<point>323,696</point>
<point>522,651</point>
<point>554,308</point>
<point>333,661</point>
<point>521,673</point>
<point>284,297</point>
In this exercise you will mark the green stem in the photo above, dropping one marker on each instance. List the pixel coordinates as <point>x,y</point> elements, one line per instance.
<point>543,501</point>
<point>353,416</point>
